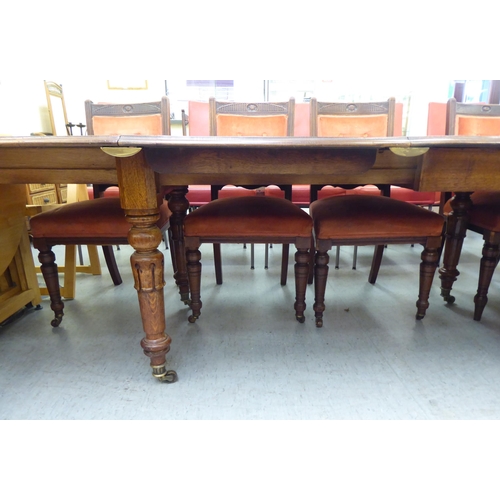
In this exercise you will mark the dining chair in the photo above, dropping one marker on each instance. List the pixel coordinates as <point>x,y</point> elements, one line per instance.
<point>373,220</point>
<point>250,215</point>
<point>272,119</point>
<point>476,120</point>
<point>101,220</point>
<point>352,119</point>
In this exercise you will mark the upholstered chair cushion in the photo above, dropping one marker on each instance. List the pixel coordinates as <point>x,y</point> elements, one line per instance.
<point>239,125</point>
<point>474,125</point>
<point>352,126</point>
<point>359,217</point>
<point>127,125</point>
<point>248,216</point>
<point>102,217</point>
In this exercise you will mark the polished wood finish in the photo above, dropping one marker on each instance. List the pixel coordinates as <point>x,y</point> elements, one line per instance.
<point>180,161</point>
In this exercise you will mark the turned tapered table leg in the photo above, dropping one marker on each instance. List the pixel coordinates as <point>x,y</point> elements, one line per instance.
<point>456,228</point>
<point>138,197</point>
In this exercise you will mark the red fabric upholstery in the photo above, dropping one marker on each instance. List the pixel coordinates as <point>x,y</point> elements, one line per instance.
<point>301,194</point>
<point>199,194</point>
<point>415,197</point>
<point>102,217</point>
<point>248,216</point>
<point>361,217</point>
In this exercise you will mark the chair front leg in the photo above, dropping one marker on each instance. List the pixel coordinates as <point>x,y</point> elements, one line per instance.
<point>491,253</point>
<point>430,257</point>
<point>302,263</point>
<point>48,267</point>
<point>193,259</point>
<point>320,277</point>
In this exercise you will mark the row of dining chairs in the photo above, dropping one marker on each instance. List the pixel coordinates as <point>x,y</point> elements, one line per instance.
<point>332,221</point>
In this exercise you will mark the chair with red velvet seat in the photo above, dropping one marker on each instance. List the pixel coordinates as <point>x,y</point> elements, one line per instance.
<point>373,220</point>
<point>93,222</point>
<point>476,120</point>
<point>272,119</point>
<point>353,119</point>
<point>98,221</point>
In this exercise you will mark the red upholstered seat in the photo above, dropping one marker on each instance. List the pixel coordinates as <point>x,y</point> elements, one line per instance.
<point>104,215</point>
<point>373,220</point>
<point>250,219</point>
<point>368,217</point>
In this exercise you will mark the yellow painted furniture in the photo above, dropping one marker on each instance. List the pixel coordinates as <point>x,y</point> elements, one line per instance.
<point>18,283</point>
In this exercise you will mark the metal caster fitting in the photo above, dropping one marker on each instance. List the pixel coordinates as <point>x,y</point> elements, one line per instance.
<point>163,375</point>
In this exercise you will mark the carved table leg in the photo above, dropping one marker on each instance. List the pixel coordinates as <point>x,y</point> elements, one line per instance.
<point>147,268</point>
<point>138,197</point>
<point>456,227</point>
<point>179,205</point>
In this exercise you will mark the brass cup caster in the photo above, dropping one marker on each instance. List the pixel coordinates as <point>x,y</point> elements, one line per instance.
<point>57,320</point>
<point>163,375</point>
<point>300,319</point>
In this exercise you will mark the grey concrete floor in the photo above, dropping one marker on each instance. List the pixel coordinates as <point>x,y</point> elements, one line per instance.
<point>248,358</point>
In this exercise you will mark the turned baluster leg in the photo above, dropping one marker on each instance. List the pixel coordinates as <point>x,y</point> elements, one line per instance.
<point>48,267</point>
<point>302,262</point>
<point>491,252</point>
<point>147,268</point>
<point>138,197</point>
<point>430,257</point>
<point>193,257</point>
<point>179,205</point>
<point>320,277</point>
<point>456,228</point>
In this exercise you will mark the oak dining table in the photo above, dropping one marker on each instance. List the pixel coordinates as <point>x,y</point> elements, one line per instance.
<point>141,165</point>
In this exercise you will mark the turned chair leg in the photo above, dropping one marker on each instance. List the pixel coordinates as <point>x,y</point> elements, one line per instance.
<point>489,260</point>
<point>320,277</point>
<point>302,264</point>
<point>430,257</point>
<point>193,264</point>
<point>48,267</point>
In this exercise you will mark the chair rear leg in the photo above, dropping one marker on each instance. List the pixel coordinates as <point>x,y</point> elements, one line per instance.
<point>430,257</point>
<point>320,277</point>
<point>48,267</point>
<point>284,263</point>
<point>377,260</point>
<point>109,256</point>
<point>217,264</point>
<point>489,260</point>
<point>193,264</point>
